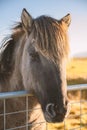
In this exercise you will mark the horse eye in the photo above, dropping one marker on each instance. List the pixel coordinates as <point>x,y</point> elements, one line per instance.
<point>34,55</point>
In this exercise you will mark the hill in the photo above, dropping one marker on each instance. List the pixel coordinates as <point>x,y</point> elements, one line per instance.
<point>81,55</point>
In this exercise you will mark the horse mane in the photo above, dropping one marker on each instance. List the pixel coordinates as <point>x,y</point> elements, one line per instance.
<point>8,45</point>
<point>6,51</point>
<point>50,37</point>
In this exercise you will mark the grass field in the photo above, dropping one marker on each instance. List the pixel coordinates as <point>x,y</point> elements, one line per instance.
<point>77,71</point>
<point>76,74</point>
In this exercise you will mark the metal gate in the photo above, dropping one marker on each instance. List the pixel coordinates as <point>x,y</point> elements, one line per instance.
<point>8,95</point>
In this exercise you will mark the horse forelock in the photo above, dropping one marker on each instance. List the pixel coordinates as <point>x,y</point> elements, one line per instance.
<point>52,40</point>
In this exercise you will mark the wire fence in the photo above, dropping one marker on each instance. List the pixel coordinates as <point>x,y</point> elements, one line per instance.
<point>79,116</point>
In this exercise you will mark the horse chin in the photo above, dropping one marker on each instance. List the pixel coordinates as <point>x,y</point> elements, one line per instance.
<point>57,119</point>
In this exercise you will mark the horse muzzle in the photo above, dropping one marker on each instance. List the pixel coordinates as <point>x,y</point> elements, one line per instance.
<point>55,115</point>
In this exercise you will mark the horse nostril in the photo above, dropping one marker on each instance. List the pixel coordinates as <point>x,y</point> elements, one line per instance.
<point>50,110</point>
<point>62,111</point>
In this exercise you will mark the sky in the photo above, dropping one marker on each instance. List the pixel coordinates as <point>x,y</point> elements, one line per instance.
<point>10,12</point>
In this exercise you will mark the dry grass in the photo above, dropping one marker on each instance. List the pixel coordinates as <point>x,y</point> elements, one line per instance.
<point>77,71</point>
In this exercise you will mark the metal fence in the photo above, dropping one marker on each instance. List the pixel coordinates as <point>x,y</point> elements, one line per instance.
<point>81,125</point>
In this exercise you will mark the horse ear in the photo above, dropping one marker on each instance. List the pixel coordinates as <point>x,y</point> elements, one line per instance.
<point>26,20</point>
<point>66,19</point>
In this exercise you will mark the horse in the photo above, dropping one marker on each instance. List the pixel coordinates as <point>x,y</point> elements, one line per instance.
<point>33,58</point>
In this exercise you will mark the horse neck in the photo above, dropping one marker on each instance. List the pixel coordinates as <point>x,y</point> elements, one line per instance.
<point>16,77</point>
<point>12,81</point>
